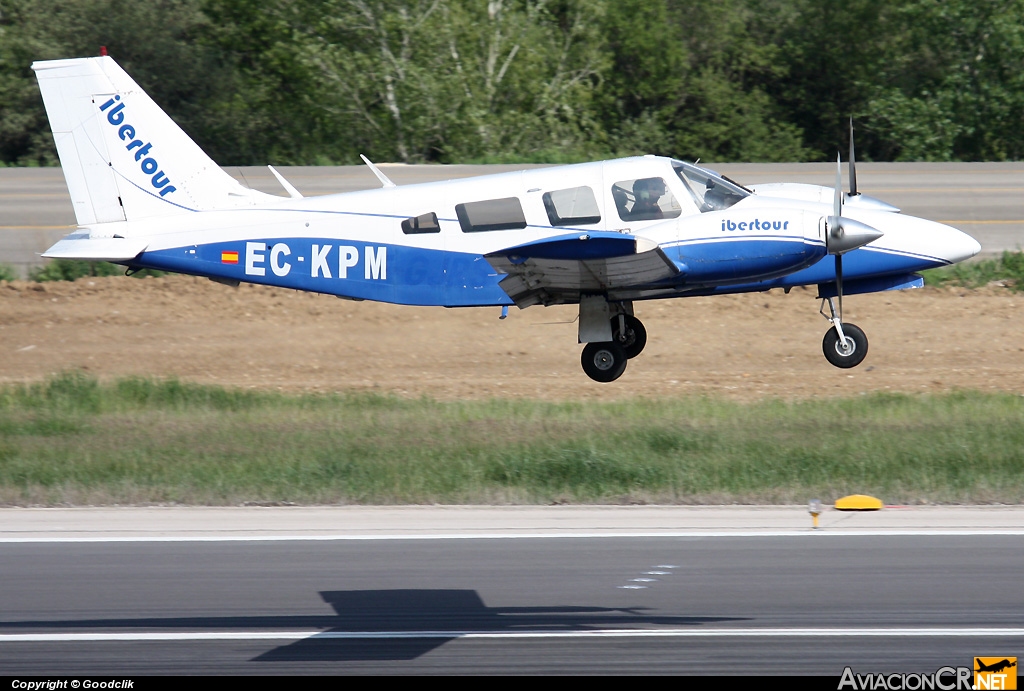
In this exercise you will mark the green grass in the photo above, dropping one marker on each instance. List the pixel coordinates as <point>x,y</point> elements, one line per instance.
<point>73,440</point>
<point>73,269</point>
<point>1007,269</point>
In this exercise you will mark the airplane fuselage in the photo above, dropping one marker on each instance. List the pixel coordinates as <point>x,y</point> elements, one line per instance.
<point>354,245</point>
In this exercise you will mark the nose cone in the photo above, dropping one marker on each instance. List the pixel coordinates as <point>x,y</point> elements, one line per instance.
<point>945,243</point>
<point>961,246</point>
<point>934,244</point>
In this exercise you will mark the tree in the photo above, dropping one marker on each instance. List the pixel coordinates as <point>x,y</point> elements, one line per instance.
<point>153,41</point>
<point>442,80</point>
<point>687,81</point>
<point>952,87</point>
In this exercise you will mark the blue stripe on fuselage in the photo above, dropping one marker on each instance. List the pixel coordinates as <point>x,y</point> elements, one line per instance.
<point>367,271</point>
<point>415,276</point>
<point>862,263</point>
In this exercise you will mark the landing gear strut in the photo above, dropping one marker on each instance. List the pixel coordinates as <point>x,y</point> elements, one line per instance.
<point>612,336</point>
<point>844,345</point>
<point>629,332</point>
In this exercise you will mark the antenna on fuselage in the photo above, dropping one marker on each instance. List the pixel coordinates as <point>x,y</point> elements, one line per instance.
<point>292,192</point>
<point>385,181</point>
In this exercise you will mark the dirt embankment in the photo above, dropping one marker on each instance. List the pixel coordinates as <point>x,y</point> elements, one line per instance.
<point>742,347</point>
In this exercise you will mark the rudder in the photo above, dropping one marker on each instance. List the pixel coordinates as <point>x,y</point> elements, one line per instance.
<point>123,157</point>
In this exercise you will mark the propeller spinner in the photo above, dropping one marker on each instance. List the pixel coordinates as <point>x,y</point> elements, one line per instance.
<point>844,234</point>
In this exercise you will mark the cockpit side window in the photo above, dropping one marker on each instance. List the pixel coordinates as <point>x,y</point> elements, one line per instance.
<point>576,206</point>
<point>709,191</point>
<point>645,199</point>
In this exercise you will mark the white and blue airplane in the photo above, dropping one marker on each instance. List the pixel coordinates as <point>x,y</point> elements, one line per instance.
<point>602,235</point>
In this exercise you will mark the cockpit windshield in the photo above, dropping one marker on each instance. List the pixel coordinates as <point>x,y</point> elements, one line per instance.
<point>710,192</point>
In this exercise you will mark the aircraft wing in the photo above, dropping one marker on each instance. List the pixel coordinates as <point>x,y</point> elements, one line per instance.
<point>562,268</point>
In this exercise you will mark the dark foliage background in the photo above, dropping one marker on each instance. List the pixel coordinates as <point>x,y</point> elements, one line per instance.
<point>318,82</point>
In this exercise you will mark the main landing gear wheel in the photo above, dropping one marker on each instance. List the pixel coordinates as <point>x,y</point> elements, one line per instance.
<point>604,362</point>
<point>633,338</point>
<point>854,352</point>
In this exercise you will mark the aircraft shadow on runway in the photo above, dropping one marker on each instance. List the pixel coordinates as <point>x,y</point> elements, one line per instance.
<point>381,612</point>
<point>444,611</point>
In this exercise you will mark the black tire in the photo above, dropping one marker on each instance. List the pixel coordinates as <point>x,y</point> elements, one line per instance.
<point>834,353</point>
<point>633,339</point>
<point>604,362</point>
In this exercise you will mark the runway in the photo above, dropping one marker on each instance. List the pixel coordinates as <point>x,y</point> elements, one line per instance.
<point>982,199</point>
<point>557,590</point>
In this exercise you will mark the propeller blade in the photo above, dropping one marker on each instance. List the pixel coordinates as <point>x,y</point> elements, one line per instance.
<point>838,204</point>
<point>853,164</point>
<point>845,234</point>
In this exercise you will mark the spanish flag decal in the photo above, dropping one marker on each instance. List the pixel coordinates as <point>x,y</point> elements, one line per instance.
<point>229,257</point>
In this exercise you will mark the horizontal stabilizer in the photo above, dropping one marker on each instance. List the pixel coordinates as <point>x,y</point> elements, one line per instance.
<point>82,246</point>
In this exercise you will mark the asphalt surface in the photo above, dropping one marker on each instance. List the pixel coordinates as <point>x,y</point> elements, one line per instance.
<point>586,590</point>
<point>982,199</point>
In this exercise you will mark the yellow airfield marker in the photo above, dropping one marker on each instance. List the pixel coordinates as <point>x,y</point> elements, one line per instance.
<point>858,502</point>
<point>814,507</point>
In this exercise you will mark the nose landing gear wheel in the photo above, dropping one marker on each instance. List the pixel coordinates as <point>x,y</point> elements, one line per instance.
<point>633,338</point>
<point>604,362</point>
<point>856,346</point>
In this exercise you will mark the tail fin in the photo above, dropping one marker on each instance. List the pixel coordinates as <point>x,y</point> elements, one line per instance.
<point>123,157</point>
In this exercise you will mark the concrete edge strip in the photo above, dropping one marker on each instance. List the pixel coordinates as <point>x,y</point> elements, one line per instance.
<point>519,536</point>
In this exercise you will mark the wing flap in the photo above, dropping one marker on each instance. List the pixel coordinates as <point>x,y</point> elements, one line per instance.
<point>561,269</point>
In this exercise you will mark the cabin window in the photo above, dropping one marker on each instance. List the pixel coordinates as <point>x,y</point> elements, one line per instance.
<point>645,199</point>
<point>426,223</point>
<point>575,206</point>
<point>492,214</point>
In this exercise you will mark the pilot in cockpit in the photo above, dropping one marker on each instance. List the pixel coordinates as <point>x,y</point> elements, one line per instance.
<point>647,192</point>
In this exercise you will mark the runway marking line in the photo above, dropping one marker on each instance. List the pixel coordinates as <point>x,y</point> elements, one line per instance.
<point>819,174</point>
<point>597,633</point>
<point>980,188</point>
<point>965,222</point>
<point>35,227</point>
